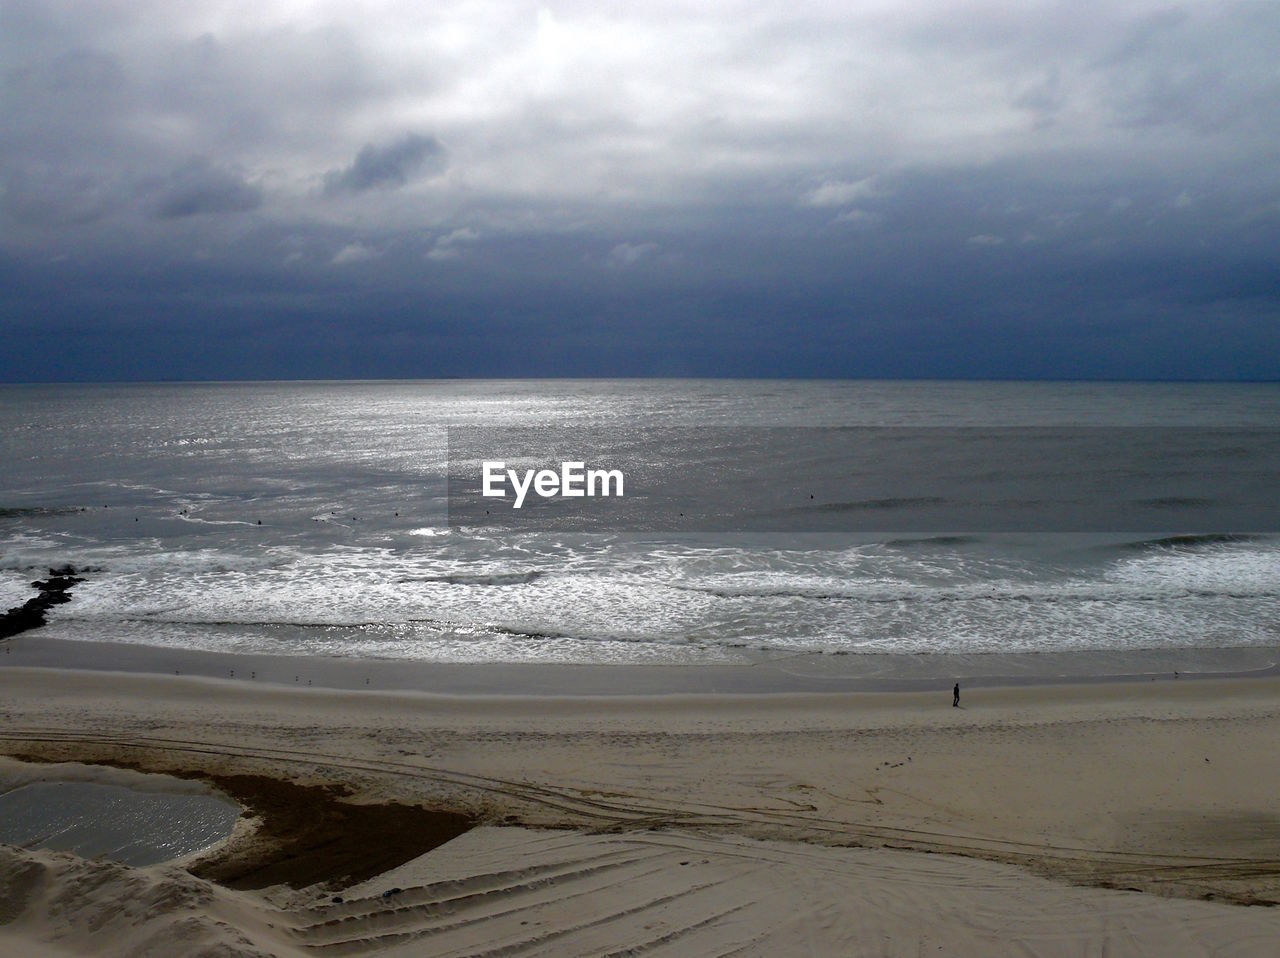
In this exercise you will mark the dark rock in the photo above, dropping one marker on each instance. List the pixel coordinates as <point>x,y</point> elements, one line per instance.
<point>54,590</point>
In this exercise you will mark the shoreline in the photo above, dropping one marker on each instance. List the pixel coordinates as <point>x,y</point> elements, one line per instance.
<point>760,675</point>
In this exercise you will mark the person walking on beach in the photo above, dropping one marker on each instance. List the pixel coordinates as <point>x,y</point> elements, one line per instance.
<point>955,696</point>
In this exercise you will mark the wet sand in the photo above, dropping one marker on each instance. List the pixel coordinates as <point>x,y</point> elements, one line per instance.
<point>751,673</point>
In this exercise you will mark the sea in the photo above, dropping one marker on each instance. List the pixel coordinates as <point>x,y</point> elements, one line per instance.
<point>328,519</point>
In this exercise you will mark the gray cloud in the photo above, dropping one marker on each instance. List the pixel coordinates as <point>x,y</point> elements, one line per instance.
<point>385,167</point>
<point>841,194</point>
<point>808,159</point>
<point>353,253</point>
<point>625,255</point>
<point>42,198</point>
<point>200,187</point>
<point>1204,72</point>
<point>449,246</point>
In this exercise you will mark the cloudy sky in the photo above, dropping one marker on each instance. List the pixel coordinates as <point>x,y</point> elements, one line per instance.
<point>307,189</point>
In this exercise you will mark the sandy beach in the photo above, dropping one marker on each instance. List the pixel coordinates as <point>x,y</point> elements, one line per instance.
<point>1124,818</point>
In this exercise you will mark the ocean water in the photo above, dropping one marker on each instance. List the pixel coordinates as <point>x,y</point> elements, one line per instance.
<point>317,519</point>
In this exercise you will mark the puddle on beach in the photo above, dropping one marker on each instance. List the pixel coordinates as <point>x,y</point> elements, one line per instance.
<point>127,824</point>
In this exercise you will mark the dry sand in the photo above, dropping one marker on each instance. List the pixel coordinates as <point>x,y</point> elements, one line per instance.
<point>1065,820</point>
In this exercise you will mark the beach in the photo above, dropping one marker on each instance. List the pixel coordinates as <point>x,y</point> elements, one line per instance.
<point>713,717</point>
<point>1124,818</point>
<point>585,480</point>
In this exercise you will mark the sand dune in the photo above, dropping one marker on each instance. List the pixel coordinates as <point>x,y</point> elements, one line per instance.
<point>677,893</point>
<point>507,891</point>
<point>52,903</point>
<point>698,825</point>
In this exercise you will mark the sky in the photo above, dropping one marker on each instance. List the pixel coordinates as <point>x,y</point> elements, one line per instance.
<point>906,188</point>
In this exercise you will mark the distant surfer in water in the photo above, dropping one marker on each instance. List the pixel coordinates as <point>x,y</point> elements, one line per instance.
<point>955,696</point>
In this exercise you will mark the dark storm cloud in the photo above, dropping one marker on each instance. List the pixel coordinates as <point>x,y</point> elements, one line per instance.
<point>1082,188</point>
<point>385,167</point>
<point>200,187</point>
